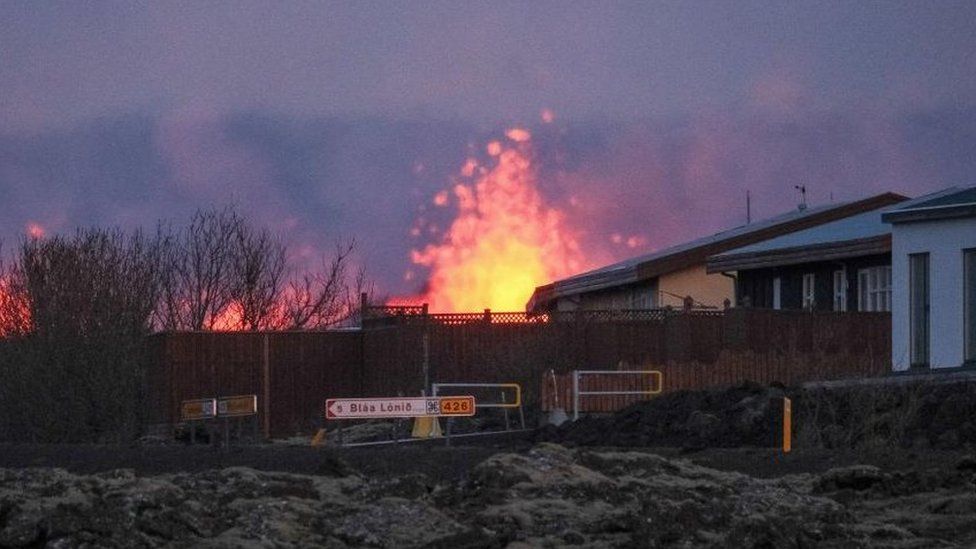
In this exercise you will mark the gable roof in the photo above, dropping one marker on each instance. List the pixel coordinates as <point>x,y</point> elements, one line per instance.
<point>855,236</point>
<point>960,203</point>
<point>696,252</point>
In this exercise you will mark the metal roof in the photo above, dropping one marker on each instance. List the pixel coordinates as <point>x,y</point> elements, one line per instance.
<point>960,203</point>
<point>684,255</point>
<point>854,236</point>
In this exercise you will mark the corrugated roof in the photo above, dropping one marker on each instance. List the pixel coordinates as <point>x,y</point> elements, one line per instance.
<point>864,225</point>
<point>960,203</point>
<point>856,236</point>
<point>964,196</point>
<point>696,251</point>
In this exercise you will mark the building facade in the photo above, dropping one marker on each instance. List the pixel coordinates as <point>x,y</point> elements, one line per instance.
<point>934,282</point>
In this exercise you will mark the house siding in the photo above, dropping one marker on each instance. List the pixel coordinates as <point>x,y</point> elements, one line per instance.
<point>944,241</point>
<point>706,289</point>
<point>643,295</point>
<point>755,286</point>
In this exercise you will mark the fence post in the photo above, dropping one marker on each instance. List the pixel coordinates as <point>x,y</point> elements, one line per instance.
<point>575,395</point>
<point>487,316</point>
<point>266,374</point>
<point>425,323</point>
<point>363,305</point>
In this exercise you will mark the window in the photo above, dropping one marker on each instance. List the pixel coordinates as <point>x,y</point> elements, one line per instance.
<point>777,293</point>
<point>874,289</point>
<point>809,290</point>
<point>969,299</point>
<point>840,290</point>
<point>642,298</point>
<point>918,308</point>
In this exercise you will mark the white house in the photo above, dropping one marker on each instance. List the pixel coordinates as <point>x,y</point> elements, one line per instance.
<point>933,255</point>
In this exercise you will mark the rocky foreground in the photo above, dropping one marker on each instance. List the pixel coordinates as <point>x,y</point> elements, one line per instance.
<point>547,497</point>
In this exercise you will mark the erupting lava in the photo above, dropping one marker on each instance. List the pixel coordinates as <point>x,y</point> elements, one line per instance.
<point>505,240</point>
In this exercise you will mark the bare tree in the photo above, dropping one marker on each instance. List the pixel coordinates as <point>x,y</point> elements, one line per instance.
<point>199,260</point>
<point>321,299</point>
<point>257,272</point>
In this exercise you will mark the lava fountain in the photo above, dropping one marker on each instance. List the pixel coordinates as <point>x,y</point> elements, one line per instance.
<point>505,240</point>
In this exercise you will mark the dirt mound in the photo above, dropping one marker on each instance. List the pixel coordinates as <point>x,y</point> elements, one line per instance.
<point>742,416</point>
<point>550,496</point>
<point>909,415</point>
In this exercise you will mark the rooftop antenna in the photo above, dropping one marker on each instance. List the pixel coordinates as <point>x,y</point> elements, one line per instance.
<point>803,196</point>
<point>748,207</point>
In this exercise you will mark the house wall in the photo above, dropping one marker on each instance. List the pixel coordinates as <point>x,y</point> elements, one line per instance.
<point>643,295</point>
<point>704,288</point>
<point>757,284</point>
<point>944,240</point>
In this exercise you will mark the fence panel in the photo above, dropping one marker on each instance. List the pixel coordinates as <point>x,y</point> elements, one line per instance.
<point>693,349</point>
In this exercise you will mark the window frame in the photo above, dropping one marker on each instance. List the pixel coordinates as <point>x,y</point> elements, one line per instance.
<point>840,290</point>
<point>874,289</point>
<point>808,291</point>
<point>915,351</point>
<point>777,293</point>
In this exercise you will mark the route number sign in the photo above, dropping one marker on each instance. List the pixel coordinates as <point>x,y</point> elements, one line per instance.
<point>366,408</point>
<point>457,406</point>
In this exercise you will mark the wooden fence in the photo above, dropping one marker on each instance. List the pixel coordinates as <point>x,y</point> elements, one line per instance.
<point>292,373</point>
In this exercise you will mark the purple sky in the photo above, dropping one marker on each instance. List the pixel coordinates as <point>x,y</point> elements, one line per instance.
<point>323,120</point>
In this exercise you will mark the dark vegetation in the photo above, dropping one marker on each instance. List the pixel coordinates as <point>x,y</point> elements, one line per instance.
<point>75,313</point>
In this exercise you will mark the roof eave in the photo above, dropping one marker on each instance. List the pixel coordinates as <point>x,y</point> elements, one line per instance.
<point>930,214</point>
<point>828,251</point>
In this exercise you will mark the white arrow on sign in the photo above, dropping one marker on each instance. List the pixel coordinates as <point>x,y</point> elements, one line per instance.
<point>364,408</point>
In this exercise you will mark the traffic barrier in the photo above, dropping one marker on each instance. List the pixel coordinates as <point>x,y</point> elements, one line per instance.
<point>503,403</point>
<point>657,382</point>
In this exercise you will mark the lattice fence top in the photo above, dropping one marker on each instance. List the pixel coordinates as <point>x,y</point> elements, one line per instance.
<point>413,314</point>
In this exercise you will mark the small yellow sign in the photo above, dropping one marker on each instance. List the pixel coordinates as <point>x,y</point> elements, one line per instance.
<point>457,406</point>
<point>201,408</point>
<point>241,405</point>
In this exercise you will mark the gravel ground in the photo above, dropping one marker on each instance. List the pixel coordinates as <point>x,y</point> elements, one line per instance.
<point>544,496</point>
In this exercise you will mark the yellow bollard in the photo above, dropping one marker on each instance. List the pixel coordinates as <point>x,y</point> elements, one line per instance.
<point>426,427</point>
<point>319,438</point>
<point>787,425</point>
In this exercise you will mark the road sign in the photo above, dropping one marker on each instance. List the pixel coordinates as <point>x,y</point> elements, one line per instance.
<point>365,408</point>
<point>241,405</point>
<point>201,408</point>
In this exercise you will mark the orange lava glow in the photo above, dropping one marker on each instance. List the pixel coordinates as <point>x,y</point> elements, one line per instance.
<point>504,242</point>
<point>15,315</point>
<point>228,320</point>
<point>35,230</point>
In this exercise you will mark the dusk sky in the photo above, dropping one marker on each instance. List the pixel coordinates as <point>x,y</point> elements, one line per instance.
<point>326,120</point>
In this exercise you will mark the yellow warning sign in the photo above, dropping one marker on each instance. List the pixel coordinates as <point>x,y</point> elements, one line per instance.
<point>241,405</point>
<point>201,408</point>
